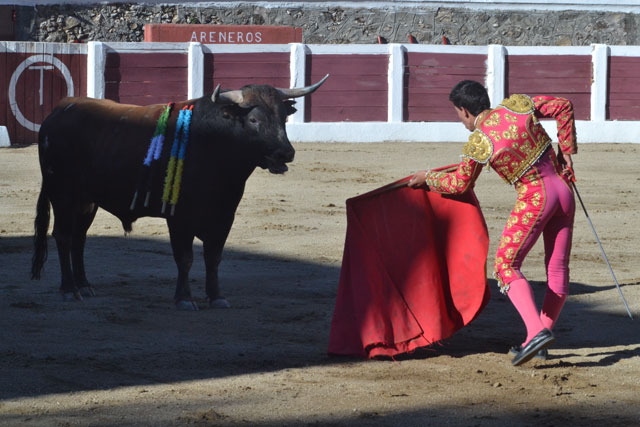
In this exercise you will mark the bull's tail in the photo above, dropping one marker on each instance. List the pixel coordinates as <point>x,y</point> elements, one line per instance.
<point>41,227</point>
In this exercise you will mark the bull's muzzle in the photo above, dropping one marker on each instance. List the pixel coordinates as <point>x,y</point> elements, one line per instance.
<point>277,161</point>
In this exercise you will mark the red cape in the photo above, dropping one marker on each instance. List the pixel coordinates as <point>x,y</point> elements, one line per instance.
<point>413,270</point>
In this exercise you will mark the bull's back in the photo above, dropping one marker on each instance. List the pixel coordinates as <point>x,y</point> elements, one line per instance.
<point>97,146</point>
<point>83,120</point>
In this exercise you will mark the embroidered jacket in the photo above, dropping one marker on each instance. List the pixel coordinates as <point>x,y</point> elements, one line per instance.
<point>510,139</point>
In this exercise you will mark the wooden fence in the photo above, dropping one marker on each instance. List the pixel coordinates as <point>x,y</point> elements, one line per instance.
<point>375,92</point>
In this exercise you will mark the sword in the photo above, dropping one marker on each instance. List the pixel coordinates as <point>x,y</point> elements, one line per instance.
<point>604,255</point>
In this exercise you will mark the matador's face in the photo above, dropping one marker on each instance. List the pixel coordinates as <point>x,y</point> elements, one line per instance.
<point>467,119</point>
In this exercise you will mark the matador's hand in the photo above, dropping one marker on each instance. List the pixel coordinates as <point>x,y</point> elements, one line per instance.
<point>567,169</point>
<point>566,162</point>
<point>418,180</point>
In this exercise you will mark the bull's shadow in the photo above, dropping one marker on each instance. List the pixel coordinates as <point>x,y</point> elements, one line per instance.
<point>130,333</point>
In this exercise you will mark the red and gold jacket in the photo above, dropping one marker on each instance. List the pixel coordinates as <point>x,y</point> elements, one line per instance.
<point>510,139</point>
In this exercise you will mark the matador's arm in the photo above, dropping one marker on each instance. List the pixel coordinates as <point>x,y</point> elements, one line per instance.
<point>561,110</point>
<point>452,179</point>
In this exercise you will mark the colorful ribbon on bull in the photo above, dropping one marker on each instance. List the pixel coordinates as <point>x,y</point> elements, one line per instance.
<point>175,167</point>
<point>153,154</point>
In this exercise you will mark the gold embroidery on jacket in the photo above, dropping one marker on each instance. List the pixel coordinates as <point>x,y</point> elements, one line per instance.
<point>536,199</point>
<point>520,206</point>
<point>526,218</point>
<point>517,236</point>
<point>519,104</point>
<point>493,120</point>
<point>511,133</point>
<point>479,147</point>
<point>509,253</point>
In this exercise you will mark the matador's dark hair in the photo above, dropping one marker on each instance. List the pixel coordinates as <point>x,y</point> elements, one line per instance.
<point>470,95</point>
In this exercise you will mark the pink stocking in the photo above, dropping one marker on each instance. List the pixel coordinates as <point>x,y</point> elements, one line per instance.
<point>551,308</point>
<point>521,297</point>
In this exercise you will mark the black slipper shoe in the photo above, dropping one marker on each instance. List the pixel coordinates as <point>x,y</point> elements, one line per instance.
<point>541,341</point>
<point>541,354</point>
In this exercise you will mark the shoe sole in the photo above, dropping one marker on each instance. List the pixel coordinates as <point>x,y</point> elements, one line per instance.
<point>539,355</point>
<point>544,344</point>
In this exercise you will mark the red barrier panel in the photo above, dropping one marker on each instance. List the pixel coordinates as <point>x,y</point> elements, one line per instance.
<point>33,81</point>
<point>565,76</point>
<point>356,92</point>
<point>429,77</point>
<point>146,78</point>
<point>623,100</point>
<point>234,70</point>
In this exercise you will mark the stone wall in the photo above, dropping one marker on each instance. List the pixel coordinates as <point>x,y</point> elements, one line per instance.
<point>125,22</point>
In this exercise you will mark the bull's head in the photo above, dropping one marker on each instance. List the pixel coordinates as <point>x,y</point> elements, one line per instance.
<point>262,112</point>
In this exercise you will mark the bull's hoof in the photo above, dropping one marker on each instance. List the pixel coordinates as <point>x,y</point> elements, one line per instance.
<point>87,291</point>
<point>183,305</point>
<point>219,303</point>
<point>71,296</point>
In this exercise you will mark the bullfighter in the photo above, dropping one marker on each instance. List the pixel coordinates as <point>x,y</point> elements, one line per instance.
<point>511,140</point>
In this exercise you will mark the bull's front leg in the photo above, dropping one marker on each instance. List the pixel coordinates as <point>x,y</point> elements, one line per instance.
<point>182,245</point>
<point>212,256</point>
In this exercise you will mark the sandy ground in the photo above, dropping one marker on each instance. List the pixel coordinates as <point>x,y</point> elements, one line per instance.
<point>126,357</point>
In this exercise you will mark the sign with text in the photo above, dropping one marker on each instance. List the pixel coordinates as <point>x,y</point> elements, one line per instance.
<point>222,34</point>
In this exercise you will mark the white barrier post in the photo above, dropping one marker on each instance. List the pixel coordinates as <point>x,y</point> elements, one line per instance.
<point>599,57</point>
<point>96,60</point>
<point>496,73</point>
<point>4,137</point>
<point>395,112</point>
<point>195,71</point>
<point>297,72</point>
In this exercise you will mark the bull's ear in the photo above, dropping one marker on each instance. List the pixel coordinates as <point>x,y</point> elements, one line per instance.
<point>289,107</point>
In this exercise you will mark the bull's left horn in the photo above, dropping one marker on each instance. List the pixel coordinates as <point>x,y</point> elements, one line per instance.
<point>230,97</point>
<point>301,91</point>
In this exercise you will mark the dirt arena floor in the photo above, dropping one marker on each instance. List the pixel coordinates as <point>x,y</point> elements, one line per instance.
<point>127,357</point>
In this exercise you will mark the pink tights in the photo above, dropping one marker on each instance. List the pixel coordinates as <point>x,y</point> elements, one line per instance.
<point>555,223</point>
<point>521,297</point>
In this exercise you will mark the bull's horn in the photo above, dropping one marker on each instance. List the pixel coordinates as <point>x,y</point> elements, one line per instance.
<point>230,97</point>
<point>301,91</point>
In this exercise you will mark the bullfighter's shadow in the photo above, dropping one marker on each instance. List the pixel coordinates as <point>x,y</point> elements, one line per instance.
<point>580,326</point>
<point>130,333</point>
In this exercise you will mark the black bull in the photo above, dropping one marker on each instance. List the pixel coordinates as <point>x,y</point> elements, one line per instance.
<point>91,155</point>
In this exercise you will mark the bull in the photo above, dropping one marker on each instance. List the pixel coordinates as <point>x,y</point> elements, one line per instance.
<point>91,153</point>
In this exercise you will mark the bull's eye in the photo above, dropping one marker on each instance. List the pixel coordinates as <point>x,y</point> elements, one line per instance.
<point>253,120</point>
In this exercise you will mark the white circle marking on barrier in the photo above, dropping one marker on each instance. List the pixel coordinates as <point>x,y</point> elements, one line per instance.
<point>49,59</point>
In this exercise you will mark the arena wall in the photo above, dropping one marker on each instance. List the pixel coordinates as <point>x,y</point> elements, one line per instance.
<point>396,92</point>
<point>460,22</point>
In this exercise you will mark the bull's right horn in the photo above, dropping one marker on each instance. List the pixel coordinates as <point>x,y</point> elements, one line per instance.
<point>229,97</point>
<point>301,91</point>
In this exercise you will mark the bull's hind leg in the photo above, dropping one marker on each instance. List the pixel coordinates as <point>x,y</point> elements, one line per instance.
<point>182,245</point>
<point>62,232</point>
<point>83,217</point>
